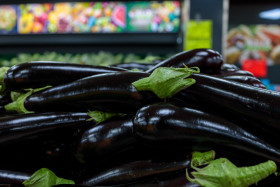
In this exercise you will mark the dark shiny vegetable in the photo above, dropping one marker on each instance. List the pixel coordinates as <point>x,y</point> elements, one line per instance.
<point>5,99</point>
<point>163,124</point>
<point>255,104</point>
<point>135,65</point>
<point>253,81</point>
<point>15,128</point>
<point>44,73</point>
<point>135,171</point>
<point>14,178</point>
<point>207,60</point>
<point>106,92</point>
<point>229,67</point>
<point>106,138</point>
<point>235,72</point>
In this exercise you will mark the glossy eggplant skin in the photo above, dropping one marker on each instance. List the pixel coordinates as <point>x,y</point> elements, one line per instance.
<point>5,99</point>
<point>135,65</point>
<point>136,171</point>
<point>106,92</point>
<point>44,73</point>
<point>234,72</point>
<point>207,60</point>
<point>13,178</point>
<point>15,128</point>
<point>253,81</point>
<point>105,138</point>
<point>256,104</point>
<point>168,124</point>
<point>229,67</point>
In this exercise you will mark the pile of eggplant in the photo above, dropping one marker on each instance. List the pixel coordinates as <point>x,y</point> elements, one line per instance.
<point>45,122</point>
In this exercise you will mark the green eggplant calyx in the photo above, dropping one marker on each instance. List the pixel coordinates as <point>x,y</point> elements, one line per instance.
<point>18,102</point>
<point>45,177</point>
<point>100,116</point>
<point>221,172</point>
<point>167,81</point>
<point>15,95</point>
<point>200,159</point>
<point>3,71</point>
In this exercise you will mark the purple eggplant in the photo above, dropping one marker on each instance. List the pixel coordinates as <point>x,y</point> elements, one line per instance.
<point>166,124</point>
<point>15,128</point>
<point>256,104</point>
<point>106,138</point>
<point>44,73</point>
<point>13,178</point>
<point>136,171</point>
<point>207,60</point>
<point>244,79</point>
<point>105,92</point>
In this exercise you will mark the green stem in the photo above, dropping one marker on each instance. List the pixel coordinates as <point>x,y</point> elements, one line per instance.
<point>18,104</point>
<point>221,172</point>
<point>253,174</point>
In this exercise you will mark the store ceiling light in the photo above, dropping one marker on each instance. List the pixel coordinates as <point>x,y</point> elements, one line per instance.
<point>273,14</point>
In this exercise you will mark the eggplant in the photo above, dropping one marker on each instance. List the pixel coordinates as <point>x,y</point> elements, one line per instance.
<point>105,138</point>
<point>234,72</point>
<point>166,124</point>
<point>44,73</point>
<point>253,81</point>
<point>256,104</point>
<point>229,67</point>
<point>135,65</point>
<point>136,171</point>
<point>5,99</point>
<point>16,128</point>
<point>13,178</point>
<point>207,60</point>
<point>105,92</point>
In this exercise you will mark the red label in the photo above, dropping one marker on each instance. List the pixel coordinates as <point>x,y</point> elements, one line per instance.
<point>257,67</point>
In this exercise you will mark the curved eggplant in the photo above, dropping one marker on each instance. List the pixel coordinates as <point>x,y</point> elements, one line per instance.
<point>136,171</point>
<point>256,104</point>
<point>234,72</point>
<point>13,178</point>
<point>18,127</point>
<point>207,60</point>
<point>105,138</point>
<point>44,73</point>
<point>229,67</point>
<point>168,124</point>
<point>135,65</point>
<point>253,81</point>
<point>105,92</point>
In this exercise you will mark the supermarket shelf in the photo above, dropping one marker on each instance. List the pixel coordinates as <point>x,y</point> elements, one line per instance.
<point>158,43</point>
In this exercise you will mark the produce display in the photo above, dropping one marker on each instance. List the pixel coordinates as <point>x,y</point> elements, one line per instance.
<point>8,19</point>
<point>153,16</point>
<point>259,42</point>
<point>90,17</point>
<point>101,58</point>
<point>187,120</point>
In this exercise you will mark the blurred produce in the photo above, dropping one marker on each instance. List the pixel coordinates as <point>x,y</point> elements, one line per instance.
<point>101,58</point>
<point>253,42</point>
